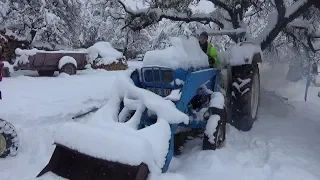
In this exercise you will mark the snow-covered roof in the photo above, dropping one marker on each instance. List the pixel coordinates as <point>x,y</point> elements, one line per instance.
<point>183,53</point>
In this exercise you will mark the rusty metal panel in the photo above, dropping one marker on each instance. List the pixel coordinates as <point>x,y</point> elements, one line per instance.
<point>52,59</point>
<point>80,58</point>
<point>31,60</point>
<point>38,60</point>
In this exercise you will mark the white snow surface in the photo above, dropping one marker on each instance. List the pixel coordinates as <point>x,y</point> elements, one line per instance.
<point>175,95</point>
<point>179,82</point>
<point>211,127</point>
<point>125,89</point>
<point>283,144</point>
<point>106,52</point>
<point>243,53</point>
<point>183,53</point>
<point>217,100</point>
<point>226,32</point>
<point>272,21</point>
<point>65,60</point>
<point>294,7</point>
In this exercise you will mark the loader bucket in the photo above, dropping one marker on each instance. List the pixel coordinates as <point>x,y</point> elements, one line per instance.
<point>73,165</point>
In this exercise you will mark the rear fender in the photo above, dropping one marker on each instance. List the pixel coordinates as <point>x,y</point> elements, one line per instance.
<point>192,84</point>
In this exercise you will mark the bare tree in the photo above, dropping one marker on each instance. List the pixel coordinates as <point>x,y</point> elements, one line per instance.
<point>229,16</point>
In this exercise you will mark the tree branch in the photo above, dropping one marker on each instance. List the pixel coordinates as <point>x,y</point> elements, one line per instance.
<point>283,19</point>
<point>149,16</point>
<point>222,5</point>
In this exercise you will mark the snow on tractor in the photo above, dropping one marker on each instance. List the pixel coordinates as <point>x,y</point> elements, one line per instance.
<point>136,133</point>
<point>9,141</point>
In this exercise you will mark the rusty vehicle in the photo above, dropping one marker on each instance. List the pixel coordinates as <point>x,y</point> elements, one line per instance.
<point>47,62</point>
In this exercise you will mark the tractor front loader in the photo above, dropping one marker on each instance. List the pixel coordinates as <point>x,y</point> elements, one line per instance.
<point>199,106</point>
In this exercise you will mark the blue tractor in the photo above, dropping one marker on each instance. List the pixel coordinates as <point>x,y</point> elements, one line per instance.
<point>228,94</point>
<point>197,89</point>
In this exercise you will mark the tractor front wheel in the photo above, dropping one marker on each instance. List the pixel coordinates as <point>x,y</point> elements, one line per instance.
<point>8,139</point>
<point>245,98</point>
<point>215,132</point>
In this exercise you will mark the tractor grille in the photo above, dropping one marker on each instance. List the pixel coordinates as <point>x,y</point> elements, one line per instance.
<point>157,75</point>
<point>158,80</point>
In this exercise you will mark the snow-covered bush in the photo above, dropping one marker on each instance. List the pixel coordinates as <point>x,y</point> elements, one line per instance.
<point>103,56</point>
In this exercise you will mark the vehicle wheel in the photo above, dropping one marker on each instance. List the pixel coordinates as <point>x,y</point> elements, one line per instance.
<point>218,135</point>
<point>9,141</point>
<point>69,68</point>
<point>45,73</point>
<point>245,94</point>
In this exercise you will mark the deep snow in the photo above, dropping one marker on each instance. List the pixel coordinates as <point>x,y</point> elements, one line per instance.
<point>283,144</point>
<point>183,53</point>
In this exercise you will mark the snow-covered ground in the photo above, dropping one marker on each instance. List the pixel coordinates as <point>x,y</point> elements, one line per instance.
<point>283,144</point>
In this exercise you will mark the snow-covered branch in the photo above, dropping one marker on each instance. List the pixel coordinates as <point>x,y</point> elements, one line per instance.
<point>303,32</point>
<point>142,18</point>
<point>221,4</point>
<point>232,32</point>
<point>279,19</point>
<point>314,44</point>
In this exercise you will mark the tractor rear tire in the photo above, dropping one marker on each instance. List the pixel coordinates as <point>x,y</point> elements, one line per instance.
<point>220,131</point>
<point>8,139</point>
<point>245,96</point>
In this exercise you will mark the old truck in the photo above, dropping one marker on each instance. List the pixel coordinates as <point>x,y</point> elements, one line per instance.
<point>47,62</point>
<point>100,55</point>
